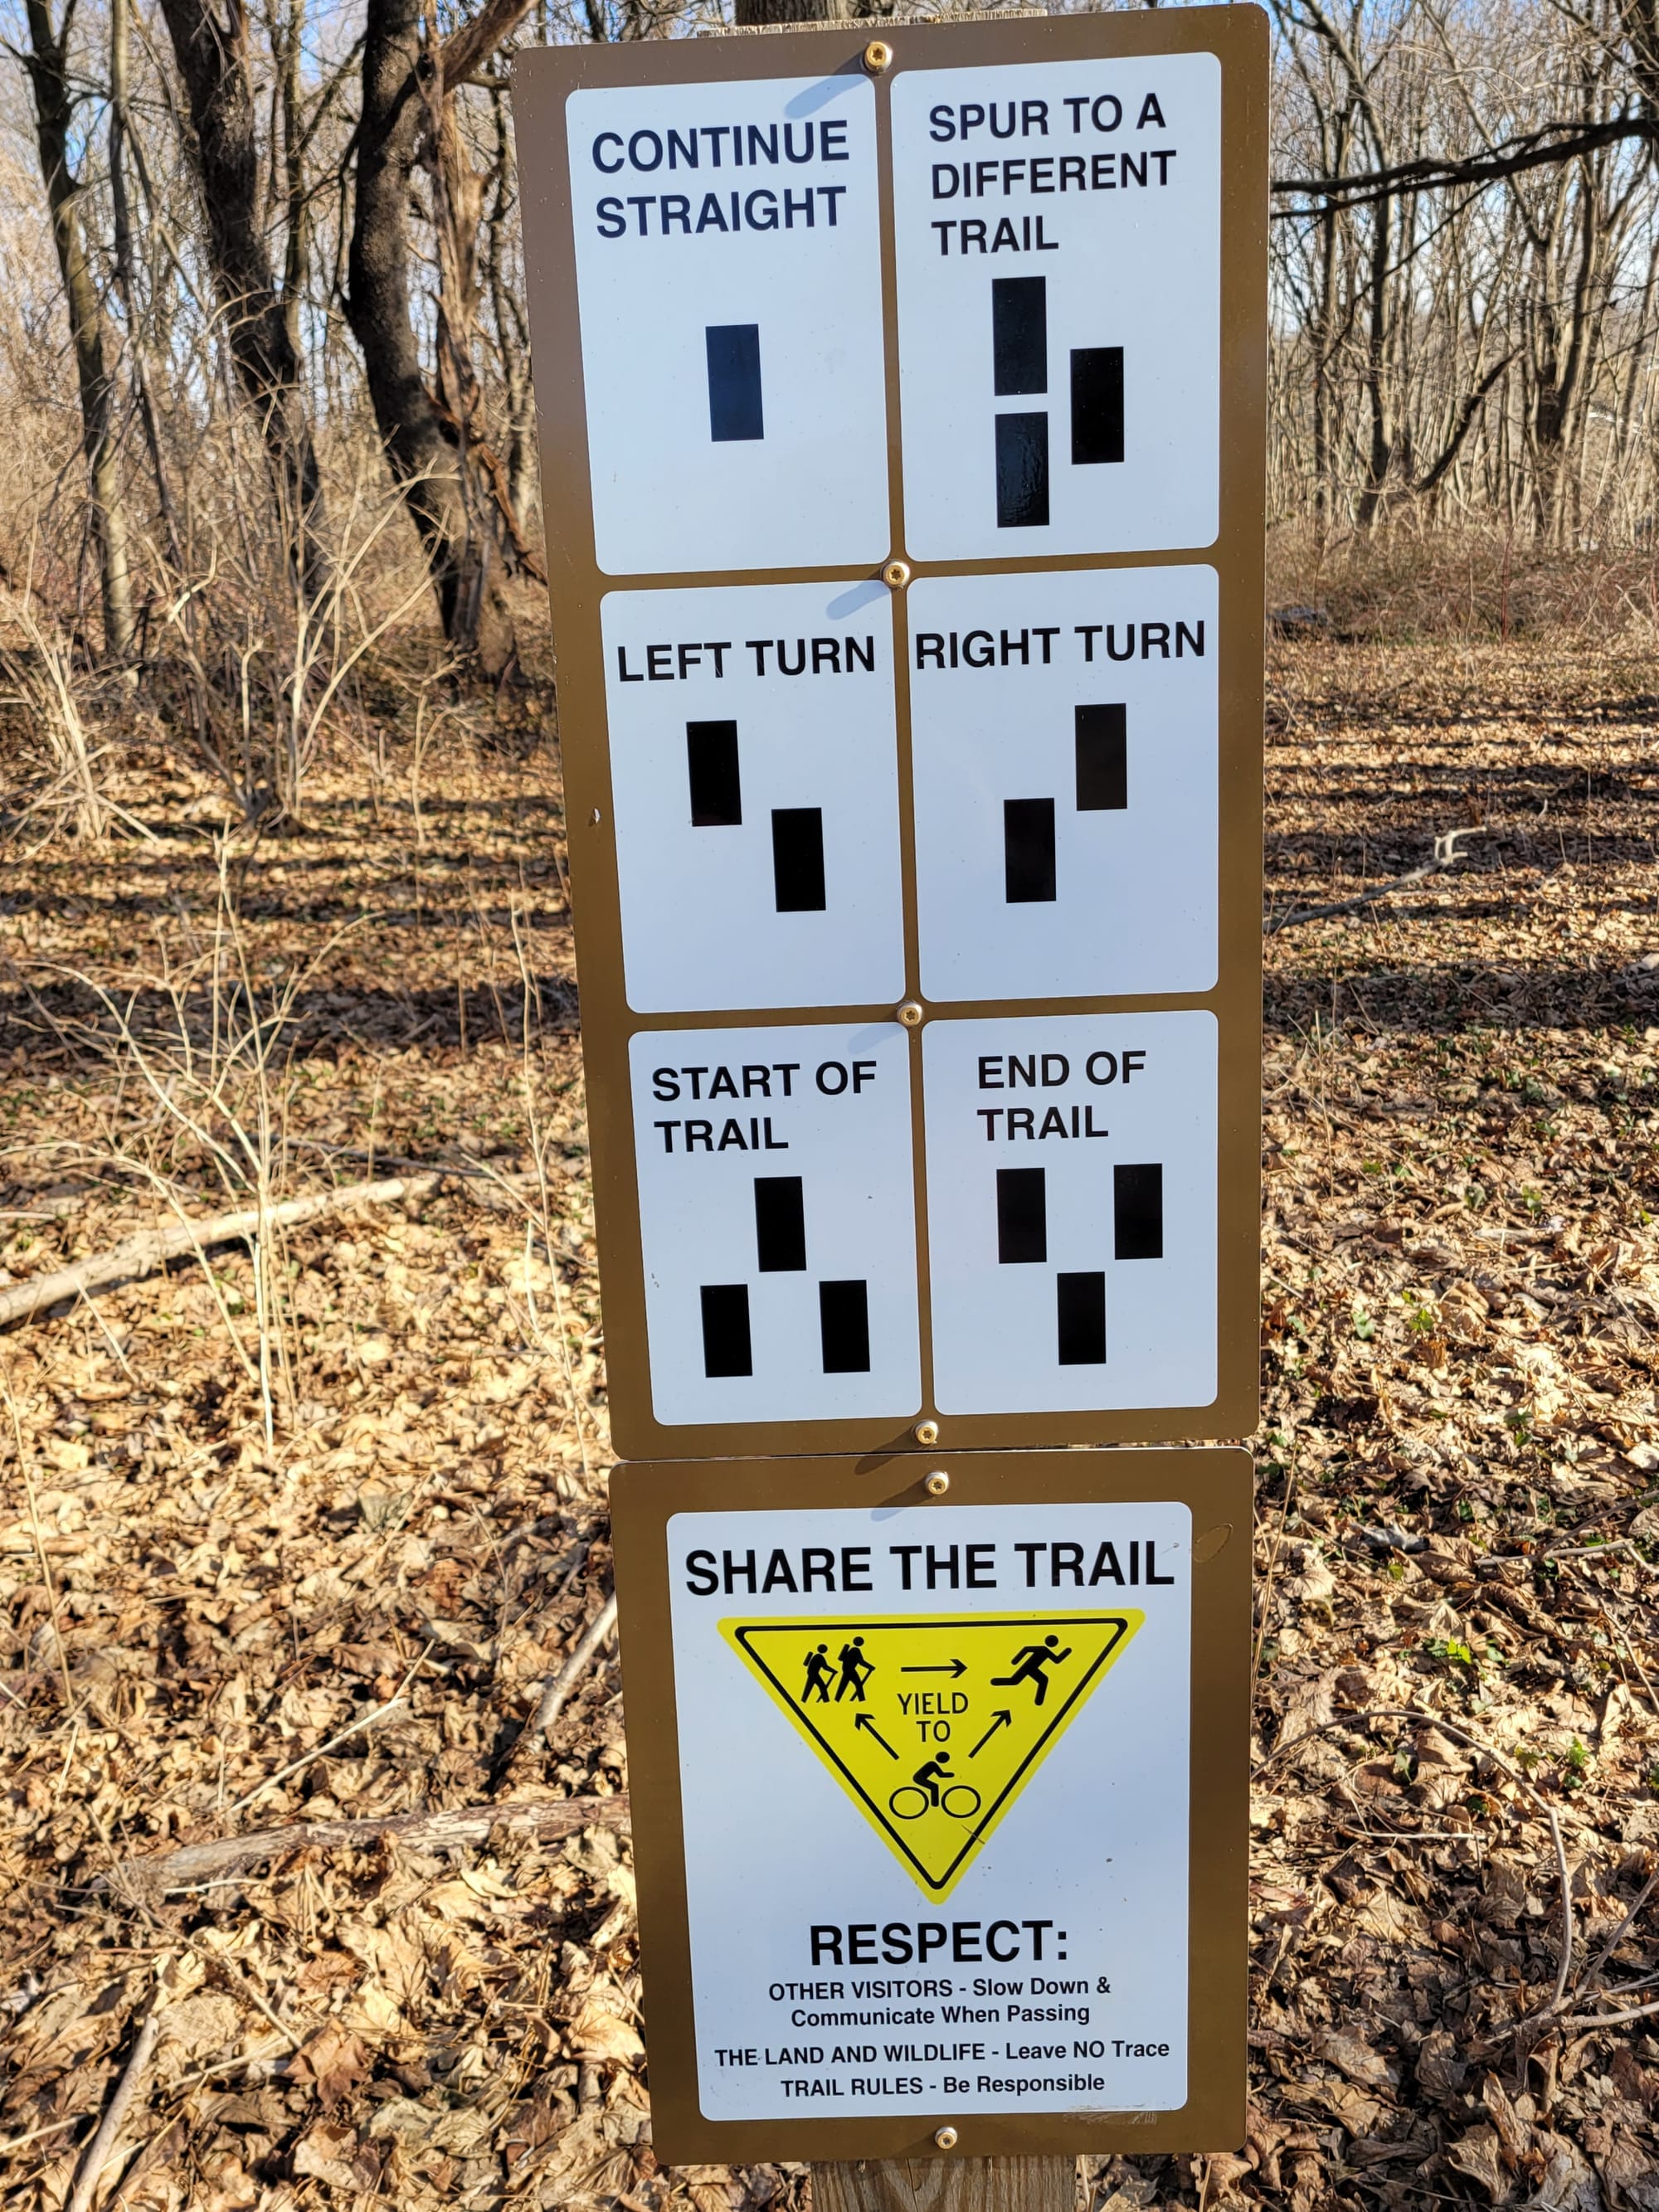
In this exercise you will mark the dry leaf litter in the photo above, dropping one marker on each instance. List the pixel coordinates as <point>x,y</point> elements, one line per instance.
<point>295,1538</point>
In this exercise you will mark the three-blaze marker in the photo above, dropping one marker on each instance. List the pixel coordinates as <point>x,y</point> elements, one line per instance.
<point>780,1249</point>
<point>1080,1294</point>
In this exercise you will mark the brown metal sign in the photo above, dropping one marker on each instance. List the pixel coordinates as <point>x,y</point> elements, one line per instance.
<point>902,416</point>
<point>940,1777</point>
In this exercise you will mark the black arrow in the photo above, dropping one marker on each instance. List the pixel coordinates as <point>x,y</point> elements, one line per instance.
<point>864,1720</point>
<point>1003,1720</point>
<point>957,1667</point>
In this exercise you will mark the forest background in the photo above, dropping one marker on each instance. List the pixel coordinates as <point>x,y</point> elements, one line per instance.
<point>313,1818</point>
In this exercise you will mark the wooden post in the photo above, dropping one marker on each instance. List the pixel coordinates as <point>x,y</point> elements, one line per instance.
<point>947,2185</point>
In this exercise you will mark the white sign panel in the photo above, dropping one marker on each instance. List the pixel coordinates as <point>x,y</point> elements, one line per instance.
<point>754,770</point>
<point>1072,1211</point>
<point>728,267</point>
<point>933,1772</point>
<point>1064,742</point>
<point>777,1222</point>
<point>1059,232</point>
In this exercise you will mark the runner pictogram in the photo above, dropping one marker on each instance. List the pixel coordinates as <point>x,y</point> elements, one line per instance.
<point>932,1725</point>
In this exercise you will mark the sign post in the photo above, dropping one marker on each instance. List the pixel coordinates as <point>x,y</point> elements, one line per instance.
<point>903,413</point>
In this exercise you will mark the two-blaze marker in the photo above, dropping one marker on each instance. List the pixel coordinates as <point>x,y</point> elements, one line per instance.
<point>1019,362</point>
<point>1102,767</point>
<point>715,777</point>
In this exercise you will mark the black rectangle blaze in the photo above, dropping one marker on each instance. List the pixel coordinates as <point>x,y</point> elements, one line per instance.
<point>1096,404</point>
<point>1081,1302</point>
<point>726,1346</point>
<point>1138,1211</point>
<point>1019,334</point>
<point>1022,1216</point>
<point>1028,850</point>
<point>711,762</point>
<point>798,859</point>
<point>780,1224</point>
<point>1103,759</point>
<point>844,1328</point>
<point>734,382</point>
<point>1022,471</point>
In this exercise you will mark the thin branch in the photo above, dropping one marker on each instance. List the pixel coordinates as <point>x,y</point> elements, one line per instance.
<point>152,1249</point>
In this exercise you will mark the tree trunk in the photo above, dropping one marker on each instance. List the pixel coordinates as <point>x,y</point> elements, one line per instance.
<point>751,12</point>
<point>213,62</point>
<point>47,63</point>
<point>425,446</point>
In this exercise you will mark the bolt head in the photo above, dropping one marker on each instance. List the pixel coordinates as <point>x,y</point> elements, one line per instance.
<point>925,1432</point>
<point>937,1483</point>
<point>896,575</point>
<point>878,56</point>
<point>945,2138</point>
<point>910,1014</point>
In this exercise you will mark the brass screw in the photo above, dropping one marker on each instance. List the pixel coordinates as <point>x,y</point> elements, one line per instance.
<point>925,1432</point>
<point>878,56</point>
<point>910,1014</point>
<point>945,2138</point>
<point>896,575</point>
<point>937,1484</point>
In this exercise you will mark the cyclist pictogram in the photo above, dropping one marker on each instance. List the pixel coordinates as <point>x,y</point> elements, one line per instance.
<point>932,1725</point>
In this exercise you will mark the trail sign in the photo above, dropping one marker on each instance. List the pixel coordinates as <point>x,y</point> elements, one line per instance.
<point>936,1817</point>
<point>902,426</point>
<point>939,1801</point>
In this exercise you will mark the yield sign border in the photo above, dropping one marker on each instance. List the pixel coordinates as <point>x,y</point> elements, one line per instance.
<point>980,1831</point>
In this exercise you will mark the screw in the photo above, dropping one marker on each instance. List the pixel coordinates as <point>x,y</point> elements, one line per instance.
<point>937,1484</point>
<point>897,574</point>
<point>925,1432</point>
<point>945,2138</point>
<point>878,56</point>
<point>597,817</point>
<point>910,1014</point>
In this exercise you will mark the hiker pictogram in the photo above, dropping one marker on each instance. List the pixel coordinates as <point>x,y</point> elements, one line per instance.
<point>1030,1663</point>
<point>933,1725</point>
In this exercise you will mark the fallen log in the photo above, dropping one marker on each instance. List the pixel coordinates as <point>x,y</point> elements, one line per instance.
<point>152,1249</point>
<point>225,1856</point>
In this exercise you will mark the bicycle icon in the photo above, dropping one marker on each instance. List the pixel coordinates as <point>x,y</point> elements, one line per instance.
<point>933,1783</point>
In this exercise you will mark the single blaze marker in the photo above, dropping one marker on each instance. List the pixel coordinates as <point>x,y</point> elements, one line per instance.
<point>726,1349</point>
<point>844,1328</point>
<point>1022,1216</point>
<point>1028,850</point>
<point>1081,1304</point>
<point>1103,759</point>
<point>1019,335</point>
<point>798,859</point>
<point>780,1224</point>
<point>1138,1211</point>
<point>1022,471</point>
<point>735,413</point>
<point>1096,404</point>
<point>711,761</point>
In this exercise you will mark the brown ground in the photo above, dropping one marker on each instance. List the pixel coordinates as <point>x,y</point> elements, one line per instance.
<point>240,1513</point>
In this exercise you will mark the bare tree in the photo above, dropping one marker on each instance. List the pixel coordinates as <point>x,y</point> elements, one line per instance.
<point>47,64</point>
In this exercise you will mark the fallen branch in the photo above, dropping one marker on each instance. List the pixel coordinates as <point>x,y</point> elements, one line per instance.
<point>559,1688</point>
<point>196,1863</point>
<point>97,2151</point>
<point>1446,855</point>
<point>152,1249</point>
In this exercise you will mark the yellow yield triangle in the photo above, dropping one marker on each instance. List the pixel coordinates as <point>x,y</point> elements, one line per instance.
<point>932,1725</point>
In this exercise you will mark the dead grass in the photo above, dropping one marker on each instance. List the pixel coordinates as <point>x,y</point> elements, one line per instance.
<point>1460,1468</point>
